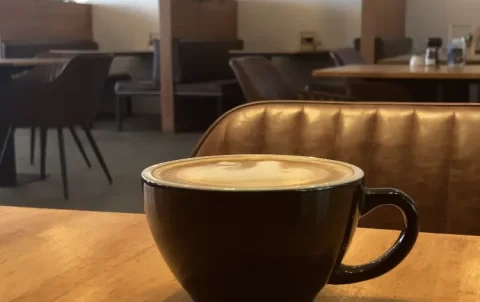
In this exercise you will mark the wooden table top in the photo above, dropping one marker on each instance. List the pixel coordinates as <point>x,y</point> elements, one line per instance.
<point>58,255</point>
<point>117,53</point>
<point>274,52</point>
<point>31,61</point>
<point>405,60</point>
<point>469,72</point>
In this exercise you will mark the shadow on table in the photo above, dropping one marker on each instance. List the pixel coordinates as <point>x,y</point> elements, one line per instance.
<point>179,296</point>
<point>182,296</point>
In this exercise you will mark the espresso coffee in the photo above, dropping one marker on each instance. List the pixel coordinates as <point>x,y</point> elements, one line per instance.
<point>262,228</point>
<point>254,172</point>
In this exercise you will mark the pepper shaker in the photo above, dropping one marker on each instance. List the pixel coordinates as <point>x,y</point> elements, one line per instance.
<point>432,51</point>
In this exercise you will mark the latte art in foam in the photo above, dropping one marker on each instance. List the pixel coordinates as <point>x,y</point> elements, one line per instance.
<point>253,172</point>
<point>262,173</point>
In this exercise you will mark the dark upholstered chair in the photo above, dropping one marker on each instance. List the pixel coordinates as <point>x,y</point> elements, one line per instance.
<point>297,70</point>
<point>362,90</point>
<point>347,56</point>
<point>124,90</point>
<point>203,61</point>
<point>58,96</point>
<point>30,49</point>
<point>200,70</point>
<point>51,71</point>
<point>428,151</point>
<point>260,80</point>
<point>394,47</point>
<point>389,47</point>
<point>293,73</point>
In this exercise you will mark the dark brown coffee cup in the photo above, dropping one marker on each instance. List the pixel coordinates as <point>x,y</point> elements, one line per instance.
<point>243,242</point>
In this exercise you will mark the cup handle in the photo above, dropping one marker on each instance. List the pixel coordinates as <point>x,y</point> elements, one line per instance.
<point>374,198</point>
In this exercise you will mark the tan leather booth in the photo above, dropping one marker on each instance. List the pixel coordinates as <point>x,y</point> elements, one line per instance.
<point>431,152</point>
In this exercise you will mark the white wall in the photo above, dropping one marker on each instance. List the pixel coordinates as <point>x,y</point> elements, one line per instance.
<point>125,25</point>
<point>431,18</point>
<point>267,24</point>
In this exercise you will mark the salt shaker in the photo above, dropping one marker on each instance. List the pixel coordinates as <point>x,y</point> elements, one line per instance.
<point>431,56</point>
<point>456,52</point>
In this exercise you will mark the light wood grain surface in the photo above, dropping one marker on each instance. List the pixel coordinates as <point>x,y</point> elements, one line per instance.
<point>405,60</point>
<point>32,62</point>
<point>56,255</point>
<point>469,72</point>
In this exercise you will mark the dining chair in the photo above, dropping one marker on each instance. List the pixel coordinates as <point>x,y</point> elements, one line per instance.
<point>363,90</point>
<point>347,56</point>
<point>260,80</point>
<point>388,47</point>
<point>52,71</point>
<point>124,90</point>
<point>298,73</point>
<point>58,96</point>
<point>429,151</point>
<point>200,72</point>
<point>33,48</point>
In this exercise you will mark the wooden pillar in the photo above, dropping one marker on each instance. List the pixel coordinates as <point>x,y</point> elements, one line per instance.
<point>207,20</point>
<point>382,19</point>
<point>195,20</point>
<point>369,24</point>
<point>166,67</point>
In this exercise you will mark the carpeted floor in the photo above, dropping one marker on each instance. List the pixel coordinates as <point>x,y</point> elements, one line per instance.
<point>126,154</point>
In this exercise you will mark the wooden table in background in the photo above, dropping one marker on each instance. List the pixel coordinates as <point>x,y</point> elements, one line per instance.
<point>8,173</point>
<point>427,84</point>
<point>58,255</point>
<point>471,72</point>
<point>405,60</point>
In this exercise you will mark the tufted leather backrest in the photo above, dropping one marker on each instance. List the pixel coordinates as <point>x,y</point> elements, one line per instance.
<point>432,152</point>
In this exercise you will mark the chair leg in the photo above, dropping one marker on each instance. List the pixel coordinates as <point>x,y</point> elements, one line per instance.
<point>119,112</point>
<point>97,153</point>
<point>219,106</point>
<point>5,142</point>
<point>32,145</point>
<point>129,106</point>
<point>43,151</point>
<point>63,164</point>
<point>80,146</point>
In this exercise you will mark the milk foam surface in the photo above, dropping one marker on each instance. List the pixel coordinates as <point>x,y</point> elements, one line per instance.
<point>267,172</point>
